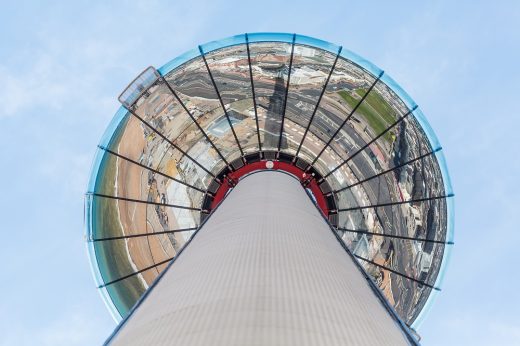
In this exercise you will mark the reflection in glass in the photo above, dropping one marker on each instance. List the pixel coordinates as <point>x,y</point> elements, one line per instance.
<point>385,155</point>
<point>270,64</point>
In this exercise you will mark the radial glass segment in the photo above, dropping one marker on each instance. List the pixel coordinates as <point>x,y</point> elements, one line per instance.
<point>189,130</point>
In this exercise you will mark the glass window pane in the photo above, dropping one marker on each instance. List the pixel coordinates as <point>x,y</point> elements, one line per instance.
<point>193,142</point>
<point>124,294</point>
<point>161,109</point>
<point>270,63</point>
<point>193,85</point>
<point>309,72</point>
<point>230,69</point>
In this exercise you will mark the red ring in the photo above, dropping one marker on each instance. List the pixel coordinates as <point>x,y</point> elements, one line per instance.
<point>305,178</point>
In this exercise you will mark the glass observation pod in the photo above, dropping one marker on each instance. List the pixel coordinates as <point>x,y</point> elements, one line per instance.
<point>188,131</point>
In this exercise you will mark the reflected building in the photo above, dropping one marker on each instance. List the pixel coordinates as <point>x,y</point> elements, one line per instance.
<point>292,168</point>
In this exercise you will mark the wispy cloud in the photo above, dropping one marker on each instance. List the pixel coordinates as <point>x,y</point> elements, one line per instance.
<point>74,66</point>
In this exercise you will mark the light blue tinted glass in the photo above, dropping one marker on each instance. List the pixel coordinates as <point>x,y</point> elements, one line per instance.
<point>438,282</point>
<point>226,42</point>
<point>181,59</point>
<point>314,42</point>
<point>96,265</point>
<point>114,312</point>
<point>367,65</point>
<point>270,37</point>
<point>144,81</point>
<point>450,236</point>
<point>427,306</point>
<point>113,126</point>
<point>116,315</point>
<point>88,217</point>
<point>445,175</point>
<point>409,102</point>
<point>434,142</point>
<point>450,206</point>
<point>96,164</point>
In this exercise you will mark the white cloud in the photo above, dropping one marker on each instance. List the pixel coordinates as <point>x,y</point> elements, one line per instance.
<point>74,65</point>
<point>50,84</point>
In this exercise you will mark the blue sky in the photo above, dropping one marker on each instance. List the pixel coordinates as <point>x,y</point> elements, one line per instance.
<point>62,66</point>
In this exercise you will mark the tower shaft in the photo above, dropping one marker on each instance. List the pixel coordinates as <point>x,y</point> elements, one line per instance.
<point>265,269</point>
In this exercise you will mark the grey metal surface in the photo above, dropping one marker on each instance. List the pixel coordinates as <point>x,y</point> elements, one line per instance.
<point>265,269</point>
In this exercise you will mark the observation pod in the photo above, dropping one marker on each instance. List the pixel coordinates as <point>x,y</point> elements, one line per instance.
<point>298,171</point>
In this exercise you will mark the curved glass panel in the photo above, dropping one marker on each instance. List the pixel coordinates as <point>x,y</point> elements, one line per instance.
<point>270,63</point>
<point>270,96</point>
<point>270,37</point>
<point>181,59</point>
<point>410,103</point>
<point>223,43</point>
<point>425,125</point>
<point>367,65</point>
<point>317,43</point>
<point>309,72</point>
<point>94,266</point>
<point>96,163</point>
<point>230,71</point>
<point>121,114</point>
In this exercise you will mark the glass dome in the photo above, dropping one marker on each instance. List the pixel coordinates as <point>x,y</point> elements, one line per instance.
<point>188,131</point>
